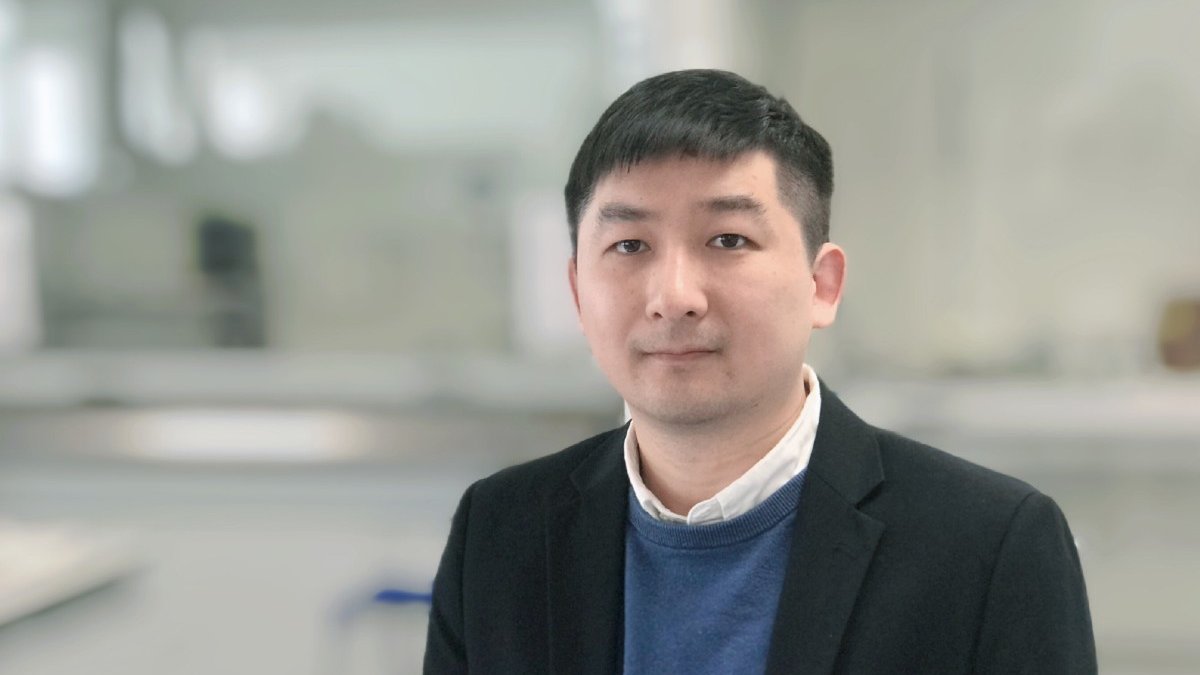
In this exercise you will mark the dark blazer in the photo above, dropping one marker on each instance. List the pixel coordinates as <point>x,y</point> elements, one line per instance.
<point>905,560</point>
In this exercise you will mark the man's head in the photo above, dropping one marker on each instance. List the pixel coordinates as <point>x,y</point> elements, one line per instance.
<point>693,278</point>
<point>714,115</point>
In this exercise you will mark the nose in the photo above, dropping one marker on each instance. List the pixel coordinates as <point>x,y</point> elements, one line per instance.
<point>676,288</point>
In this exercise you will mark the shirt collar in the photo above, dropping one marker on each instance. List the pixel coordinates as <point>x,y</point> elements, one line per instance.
<point>782,463</point>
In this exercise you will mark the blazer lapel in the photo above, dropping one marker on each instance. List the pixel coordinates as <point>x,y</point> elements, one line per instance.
<point>586,565</point>
<point>832,546</point>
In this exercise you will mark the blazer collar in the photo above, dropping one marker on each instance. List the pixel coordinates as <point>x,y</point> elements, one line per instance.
<point>586,564</point>
<point>832,546</point>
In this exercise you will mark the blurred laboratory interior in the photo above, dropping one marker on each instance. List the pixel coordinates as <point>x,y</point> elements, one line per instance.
<point>280,278</point>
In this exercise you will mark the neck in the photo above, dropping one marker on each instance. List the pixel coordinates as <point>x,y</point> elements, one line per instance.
<point>683,466</point>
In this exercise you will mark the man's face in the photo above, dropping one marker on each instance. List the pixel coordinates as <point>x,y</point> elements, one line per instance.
<point>693,288</point>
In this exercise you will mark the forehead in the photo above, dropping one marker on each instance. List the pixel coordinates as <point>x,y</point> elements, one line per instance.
<point>680,181</point>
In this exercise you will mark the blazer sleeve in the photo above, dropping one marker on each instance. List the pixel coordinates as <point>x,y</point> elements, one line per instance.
<point>1036,617</point>
<point>445,644</point>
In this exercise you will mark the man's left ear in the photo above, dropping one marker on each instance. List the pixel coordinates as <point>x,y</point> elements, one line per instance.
<point>829,277</point>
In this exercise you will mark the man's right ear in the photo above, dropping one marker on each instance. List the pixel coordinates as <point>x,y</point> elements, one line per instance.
<point>572,276</point>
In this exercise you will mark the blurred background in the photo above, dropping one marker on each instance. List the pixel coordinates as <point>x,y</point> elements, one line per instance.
<point>280,278</point>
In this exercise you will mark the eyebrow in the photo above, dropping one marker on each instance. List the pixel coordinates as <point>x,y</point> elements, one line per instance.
<point>736,204</point>
<point>617,212</point>
<point>620,212</point>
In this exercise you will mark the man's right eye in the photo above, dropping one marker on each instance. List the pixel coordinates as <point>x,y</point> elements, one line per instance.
<point>630,246</point>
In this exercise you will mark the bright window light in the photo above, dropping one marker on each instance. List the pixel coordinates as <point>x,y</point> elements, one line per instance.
<point>244,436</point>
<point>152,116</point>
<point>59,158</point>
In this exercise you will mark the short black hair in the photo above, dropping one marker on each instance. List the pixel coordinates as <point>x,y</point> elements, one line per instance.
<point>711,114</point>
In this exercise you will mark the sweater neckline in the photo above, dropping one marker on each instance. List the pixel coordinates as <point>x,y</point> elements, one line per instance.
<point>749,525</point>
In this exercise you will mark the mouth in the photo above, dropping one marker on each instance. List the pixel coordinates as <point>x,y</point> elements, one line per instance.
<point>681,356</point>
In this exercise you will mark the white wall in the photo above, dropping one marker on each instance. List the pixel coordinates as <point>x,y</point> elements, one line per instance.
<point>1015,180</point>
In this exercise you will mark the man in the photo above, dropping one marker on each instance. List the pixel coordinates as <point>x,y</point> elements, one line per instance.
<point>745,520</point>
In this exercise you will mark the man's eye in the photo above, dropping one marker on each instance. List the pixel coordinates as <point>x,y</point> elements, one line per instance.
<point>729,241</point>
<point>630,246</point>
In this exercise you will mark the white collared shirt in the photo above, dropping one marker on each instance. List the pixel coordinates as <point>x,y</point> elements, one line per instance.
<point>788,458</point>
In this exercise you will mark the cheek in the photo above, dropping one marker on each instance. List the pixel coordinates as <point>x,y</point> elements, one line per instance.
<point>596,309</point>
<point>773,307</point>
<point>604,321</point>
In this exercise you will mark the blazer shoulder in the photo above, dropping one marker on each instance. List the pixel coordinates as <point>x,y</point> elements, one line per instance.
<point>933,501</point>
<point>950,499</point>
<point>547,476</point>
<point>911,465</point>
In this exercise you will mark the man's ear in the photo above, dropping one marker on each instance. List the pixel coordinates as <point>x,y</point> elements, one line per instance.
<point>829,278</point>
<point>573,278</point>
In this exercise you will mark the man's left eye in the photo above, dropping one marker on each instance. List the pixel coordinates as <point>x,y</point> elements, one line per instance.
<point>729,241</point>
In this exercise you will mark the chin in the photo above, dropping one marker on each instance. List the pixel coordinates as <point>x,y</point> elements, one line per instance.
<point>677,411</point>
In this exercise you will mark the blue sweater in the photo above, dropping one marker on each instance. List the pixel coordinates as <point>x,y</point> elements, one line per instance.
<point>702,598</point>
